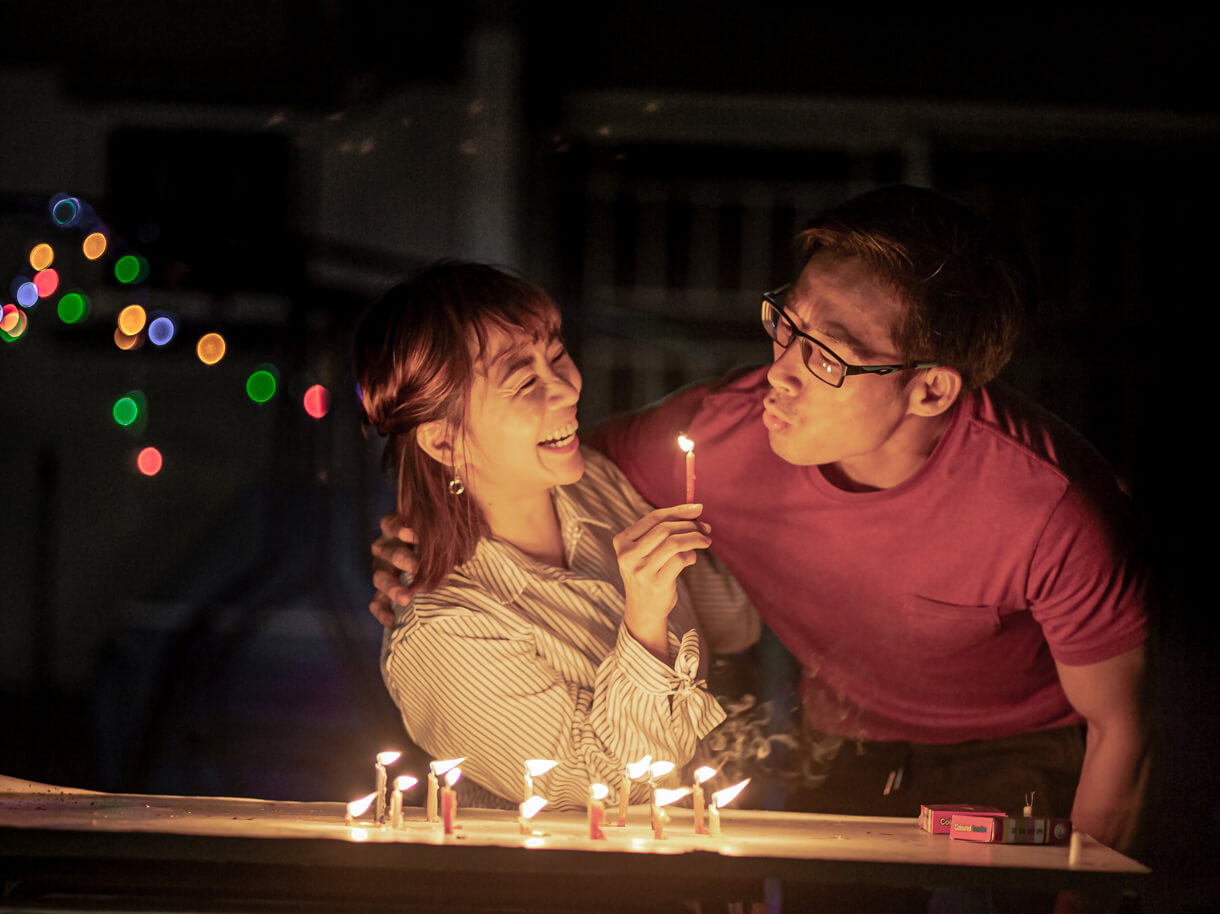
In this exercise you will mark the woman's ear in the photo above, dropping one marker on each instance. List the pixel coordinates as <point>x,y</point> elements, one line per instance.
<point>435,439</point>
<point>935,390</point>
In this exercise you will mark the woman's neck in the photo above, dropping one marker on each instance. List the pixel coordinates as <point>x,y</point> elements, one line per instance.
<point>529,523</point>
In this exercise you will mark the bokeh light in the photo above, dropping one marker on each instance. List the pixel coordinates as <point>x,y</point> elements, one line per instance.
<point>46,282</point>
<point>27,294</point>
<point>210,348</point>
<point>132,320</point>
<point>126,409</point>
<point>17,332</point>
<point>260,386</point>
<point>161,328</point>
<point>125,341</point>
<point>73,307</point>
<point>149,461</point>
<point>126,268</point>
<point>65,210</point>
<point>42,256</point>
<point>9,316</point>
<point>94,245</point>
<point>317,401</point>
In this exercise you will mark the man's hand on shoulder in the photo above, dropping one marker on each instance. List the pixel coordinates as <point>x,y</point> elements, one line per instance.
<point>393,554</point>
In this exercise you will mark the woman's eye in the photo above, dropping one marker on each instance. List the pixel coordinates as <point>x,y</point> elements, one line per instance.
<point>562,351</point>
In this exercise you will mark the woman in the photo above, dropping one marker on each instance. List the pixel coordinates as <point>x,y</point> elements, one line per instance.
<point>551,621</point>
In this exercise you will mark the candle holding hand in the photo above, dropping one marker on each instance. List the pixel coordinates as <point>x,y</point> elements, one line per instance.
<point>449,800</point>
<point>689,447</point>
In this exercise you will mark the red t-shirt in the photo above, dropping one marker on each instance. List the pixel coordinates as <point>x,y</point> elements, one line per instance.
<point>932,611</point>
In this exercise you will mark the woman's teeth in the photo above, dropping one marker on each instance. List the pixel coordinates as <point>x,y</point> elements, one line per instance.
<point>560,437</point>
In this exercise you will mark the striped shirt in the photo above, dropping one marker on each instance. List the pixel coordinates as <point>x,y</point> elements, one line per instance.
<point>512,659</point>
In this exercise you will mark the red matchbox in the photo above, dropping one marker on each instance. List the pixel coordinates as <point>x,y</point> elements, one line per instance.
<point>937,819</point>
<point>1010,829</point>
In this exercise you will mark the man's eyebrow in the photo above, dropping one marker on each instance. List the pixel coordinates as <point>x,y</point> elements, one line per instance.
<point>836,332</point>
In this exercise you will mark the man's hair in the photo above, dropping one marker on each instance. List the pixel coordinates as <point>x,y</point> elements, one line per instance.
<point>967,290</point>
<point>416,352</point>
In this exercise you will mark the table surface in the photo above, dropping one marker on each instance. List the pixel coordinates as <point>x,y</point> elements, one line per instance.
<point>42,826</point>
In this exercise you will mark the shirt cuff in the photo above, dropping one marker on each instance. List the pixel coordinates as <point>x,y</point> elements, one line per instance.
<point>691,699</point>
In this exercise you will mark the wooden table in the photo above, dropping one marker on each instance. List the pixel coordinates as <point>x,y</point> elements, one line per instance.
<point>213,853</point>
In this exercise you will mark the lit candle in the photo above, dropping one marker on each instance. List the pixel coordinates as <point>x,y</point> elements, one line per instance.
<point>701,775</point>
<point>528,810</point>
<point>535,767</point>
<point>401,783</point>
<point>436,770</point>
<point>449,799</point>
<point>689,446</point>
<point>597,811</point>
<point>383,759</point>
<point>632,772</point>
<point>663,797</point>
<point>657,770</point>
<point>722,798</point>
<point>357,808</point>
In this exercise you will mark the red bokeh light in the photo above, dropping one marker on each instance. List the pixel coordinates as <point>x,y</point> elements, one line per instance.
<point>149,461</point>
<point>317,401</point>
<point>46,282</point>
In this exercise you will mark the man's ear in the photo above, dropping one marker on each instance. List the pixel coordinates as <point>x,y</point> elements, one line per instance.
<point>435,439</point>
<point>934,391</point>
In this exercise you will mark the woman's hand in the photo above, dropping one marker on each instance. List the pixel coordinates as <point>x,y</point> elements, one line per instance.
<point>393,553</point>
<point>651,554</point>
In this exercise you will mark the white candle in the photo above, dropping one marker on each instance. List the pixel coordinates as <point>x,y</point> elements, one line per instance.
<point>632,772</point>
<point>435,771</point>
<point>401,783</point>
<point>535,767</point>
<point>528,810</point>
<point>663,797</point>
<point>701,775</point>
<point>383,759</point>
<point>722,798</point>
<point>656,770</point>
<point>357,808</point>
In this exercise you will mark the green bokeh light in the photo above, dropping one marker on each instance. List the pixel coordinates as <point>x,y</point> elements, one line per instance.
<point>260,386</point>
<point>125,411</point>
<point>127,268</point>
<point>73,307</point>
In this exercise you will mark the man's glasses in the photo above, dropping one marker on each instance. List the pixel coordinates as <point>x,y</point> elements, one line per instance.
<point>819,358</point>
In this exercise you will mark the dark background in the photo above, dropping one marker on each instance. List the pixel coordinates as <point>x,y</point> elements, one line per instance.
<point>277,163</point>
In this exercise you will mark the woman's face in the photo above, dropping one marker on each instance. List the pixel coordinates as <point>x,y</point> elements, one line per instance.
<point>521,422</point>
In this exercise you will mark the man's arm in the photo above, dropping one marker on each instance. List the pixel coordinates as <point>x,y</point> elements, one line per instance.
<point>1113,783</point>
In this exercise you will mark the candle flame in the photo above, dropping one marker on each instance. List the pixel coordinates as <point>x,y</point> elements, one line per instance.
<point>703,773</point>
<point>537,766</point>
<point>453,775</point>
<point>599,791</point>
<point>665,796</point>
<point>637,770</point>
<point>387,758</point>
<point>685,443</point>
<point>729,794</point>
<point>405,782</point>
<point>660,769</point>
<point>530,807</point>
<point>439,768</point>
<point>360,807</point>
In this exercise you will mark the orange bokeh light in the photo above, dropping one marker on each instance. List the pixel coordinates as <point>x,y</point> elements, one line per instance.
<point>42,256</point>
<point>94,246</point>
<point>131,320</point>
<point>210,348</point>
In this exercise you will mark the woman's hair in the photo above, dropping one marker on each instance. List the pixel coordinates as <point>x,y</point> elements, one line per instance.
<point>416,351</point>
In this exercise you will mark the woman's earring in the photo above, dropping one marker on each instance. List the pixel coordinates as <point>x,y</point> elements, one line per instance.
<point>455,485</point>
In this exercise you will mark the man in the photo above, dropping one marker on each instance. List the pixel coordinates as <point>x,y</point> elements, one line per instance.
<point>954,569</point>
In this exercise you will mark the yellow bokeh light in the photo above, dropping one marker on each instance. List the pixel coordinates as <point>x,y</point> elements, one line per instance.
<point>131,320</point>
<point>94,246</point>
<point>123,341</point>
<point>210,348</point>
<point>42,256</point>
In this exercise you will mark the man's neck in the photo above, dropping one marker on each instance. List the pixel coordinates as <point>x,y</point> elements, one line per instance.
<point>901,457</point>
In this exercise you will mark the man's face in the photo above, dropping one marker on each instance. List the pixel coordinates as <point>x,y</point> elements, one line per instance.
<point>840,301</point>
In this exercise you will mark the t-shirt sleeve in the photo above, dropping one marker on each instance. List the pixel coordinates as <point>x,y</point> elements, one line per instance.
<point>1089,584</point>
<point>644,443</point>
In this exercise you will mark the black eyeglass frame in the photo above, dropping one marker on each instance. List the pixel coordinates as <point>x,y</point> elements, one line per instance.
<point>772,299</point>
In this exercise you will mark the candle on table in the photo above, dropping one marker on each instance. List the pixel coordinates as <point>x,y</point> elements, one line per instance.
<point>632,772</point>
<point>656,770</point>
<point>689,447</point>
<point>701,775</point>
<point>662,797</point>
<point>449,799</point>
<point>436,770</point>
<point>597,811</point>
<point>357,808</point>
<point>401,783</point>
<point>535,767</point>
<point>722,798</point>
<point>383,759</point>
<point>528,810</point>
